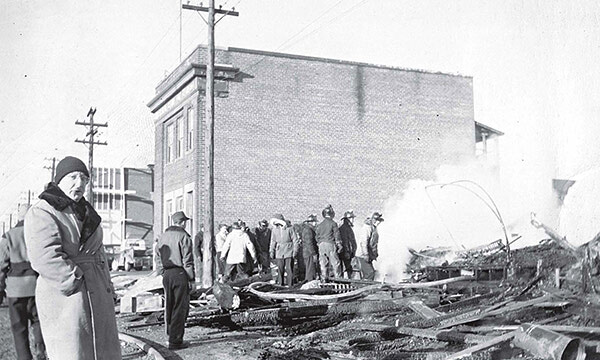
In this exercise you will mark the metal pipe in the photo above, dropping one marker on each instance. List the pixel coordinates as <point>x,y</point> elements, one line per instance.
<point>548,344</point>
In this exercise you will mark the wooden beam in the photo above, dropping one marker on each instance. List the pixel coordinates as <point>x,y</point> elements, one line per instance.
<point>483,346</point>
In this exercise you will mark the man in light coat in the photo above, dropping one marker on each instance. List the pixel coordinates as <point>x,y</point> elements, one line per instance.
<point>283,248</point>
<point>176,264</point>
<point>220,238</point>
<point>18,279</point>
<point>237,244</point>
<point>368,246</point>
<point>74,294</point>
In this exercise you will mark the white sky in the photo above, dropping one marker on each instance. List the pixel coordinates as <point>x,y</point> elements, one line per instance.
<point>534,63</point>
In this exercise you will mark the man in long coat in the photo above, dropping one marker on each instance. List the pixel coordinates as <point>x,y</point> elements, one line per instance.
<point>348,241</point>
<point>310,251</point>
<point>283,248</point>
<point>74,293</point>
<point>176,264</point>
<point>263,240</point>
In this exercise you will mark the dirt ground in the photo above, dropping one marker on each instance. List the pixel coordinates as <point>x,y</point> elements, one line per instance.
<point>7,347</point>
<point>206,343</point>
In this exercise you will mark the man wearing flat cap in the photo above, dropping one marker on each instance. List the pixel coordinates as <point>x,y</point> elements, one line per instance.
<point>74,295</point>
<point>176,264</point>
<point>348,241</point>
<point>367,246</point>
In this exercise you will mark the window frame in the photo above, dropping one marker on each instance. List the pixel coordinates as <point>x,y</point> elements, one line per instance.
<point>190,122</point>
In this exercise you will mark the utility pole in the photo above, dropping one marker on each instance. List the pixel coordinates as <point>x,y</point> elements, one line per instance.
<point>51,168</point>
<point>209,141</point>
<point>92,130</point>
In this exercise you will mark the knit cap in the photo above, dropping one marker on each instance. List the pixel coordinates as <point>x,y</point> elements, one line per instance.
<point>68,165</point>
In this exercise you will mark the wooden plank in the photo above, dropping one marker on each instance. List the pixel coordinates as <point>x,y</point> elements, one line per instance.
<point>499,311</point>
<point>483,346</point>
<point>425,311</point>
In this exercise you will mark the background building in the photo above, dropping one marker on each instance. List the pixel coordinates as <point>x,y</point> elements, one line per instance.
<point>123,198</point>
<point>300,132</point>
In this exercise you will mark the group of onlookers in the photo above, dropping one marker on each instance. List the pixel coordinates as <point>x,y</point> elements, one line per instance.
<point>301,252</point>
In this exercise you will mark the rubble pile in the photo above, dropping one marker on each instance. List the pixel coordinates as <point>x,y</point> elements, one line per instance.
<point>476,306</point>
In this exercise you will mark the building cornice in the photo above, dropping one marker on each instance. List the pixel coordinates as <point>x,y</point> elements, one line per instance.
<point>186,74</point>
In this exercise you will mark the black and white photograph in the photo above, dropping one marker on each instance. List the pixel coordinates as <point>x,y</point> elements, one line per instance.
<point>300,179</point>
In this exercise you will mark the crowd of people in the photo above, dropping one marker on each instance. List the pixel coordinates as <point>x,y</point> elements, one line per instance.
<point>301,252</point>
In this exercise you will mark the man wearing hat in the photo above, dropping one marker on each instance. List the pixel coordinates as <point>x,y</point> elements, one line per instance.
<point>329,242</point>
<point>235,250</point>
<point>18,279</point>
<point>367,246</point>
<point>283,248</point>
<point>263,240</point>
<point>74,295</point>
<point>176,264</point>
<point>310,251</point>
<point>348,241</point>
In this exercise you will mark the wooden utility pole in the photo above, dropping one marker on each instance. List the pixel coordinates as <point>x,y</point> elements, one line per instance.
<point>209,144</point>
<point>51,168</point>
<point>93,130</point>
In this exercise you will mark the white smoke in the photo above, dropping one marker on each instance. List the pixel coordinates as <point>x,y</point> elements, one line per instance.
<point>458,215</point>
<point>580,213</point>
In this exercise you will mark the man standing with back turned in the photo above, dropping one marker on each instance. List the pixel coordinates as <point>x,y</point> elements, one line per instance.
<point>176,264</point>
<point>18,278</point>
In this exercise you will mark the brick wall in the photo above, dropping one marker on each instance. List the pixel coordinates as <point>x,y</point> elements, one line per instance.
<point>296,133</point>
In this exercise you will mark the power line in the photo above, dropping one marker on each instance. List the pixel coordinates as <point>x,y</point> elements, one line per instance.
<point>280,47</point>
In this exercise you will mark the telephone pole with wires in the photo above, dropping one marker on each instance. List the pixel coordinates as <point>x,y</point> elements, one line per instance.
<point>51,168</point>
<point>89,140</point>
<point>209,145</point>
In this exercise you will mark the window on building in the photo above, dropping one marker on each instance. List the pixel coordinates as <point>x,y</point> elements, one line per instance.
<point>189,209</point>
<point>117,179</point>
<point>190,129</point>
<point>169,211</point>
<point>170,134</point>
<point>179,203</point>
<point>180,138</point>
<point>118,202</point>
<point>106,182</point>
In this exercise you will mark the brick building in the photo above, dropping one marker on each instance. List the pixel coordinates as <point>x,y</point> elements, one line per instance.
<point>295,133</point>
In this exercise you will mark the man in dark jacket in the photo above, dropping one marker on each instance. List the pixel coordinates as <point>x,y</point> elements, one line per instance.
<point>198,254</point>
<point>348,241</point>
<point>310,251</point>
<point>262,234</point>
<point>17,281</point>
<point>329,242</point>
<point>176,264</point>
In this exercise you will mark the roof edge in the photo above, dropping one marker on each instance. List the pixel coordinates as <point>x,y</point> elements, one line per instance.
<point>335,61</point>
